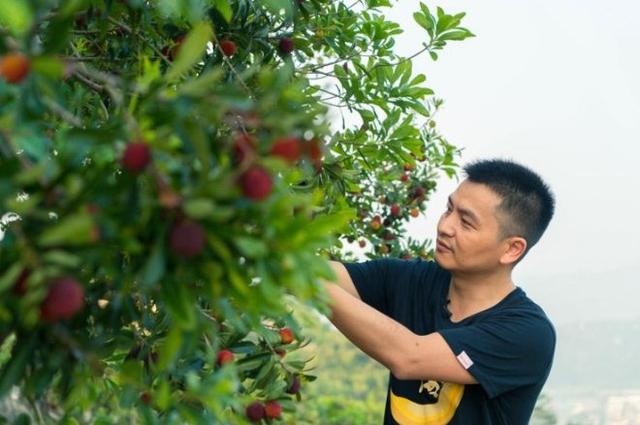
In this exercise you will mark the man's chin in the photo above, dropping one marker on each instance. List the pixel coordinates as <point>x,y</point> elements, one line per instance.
<point>443,264</point>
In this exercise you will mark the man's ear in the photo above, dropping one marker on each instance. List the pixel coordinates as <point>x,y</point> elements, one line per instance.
<point>514,248</point>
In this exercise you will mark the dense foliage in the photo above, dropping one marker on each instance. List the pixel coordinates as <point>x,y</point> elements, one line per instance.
<point>173,176</point>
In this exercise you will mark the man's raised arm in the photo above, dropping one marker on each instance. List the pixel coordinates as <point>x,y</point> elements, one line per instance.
<point>343,278</point>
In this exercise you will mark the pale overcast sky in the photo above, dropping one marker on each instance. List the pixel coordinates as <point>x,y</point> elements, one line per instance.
<point>550,84</point>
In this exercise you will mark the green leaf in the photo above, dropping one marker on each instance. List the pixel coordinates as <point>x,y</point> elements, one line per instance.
<point>49,66</point>
<point>224,8</point>
<point>16,15</point>
<point>275,6</point>
<point>169,348</point>
<point>155,266</point>
<point>457,35</point>
<point>62,258</point>
<point>76,229</point>
<point>199,208</point>
<point>423,21</point>
<point>12,371</point>
<point>180,303</point>
<point>9,277</point>
<point>251,247</point>
<point>191,51</point>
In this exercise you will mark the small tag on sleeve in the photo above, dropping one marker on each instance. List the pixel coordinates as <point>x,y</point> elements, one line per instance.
<point>465,360</point>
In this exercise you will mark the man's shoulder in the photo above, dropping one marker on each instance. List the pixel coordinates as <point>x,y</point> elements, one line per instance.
<point>523,312</point>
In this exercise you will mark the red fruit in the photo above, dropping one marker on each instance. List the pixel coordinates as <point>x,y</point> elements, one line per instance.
<point>224,357</point>
<point>388,236</point>
<point>187,239</point>
<point>255,411</point>
<point>286,336</point>
<point>286,45</point>
<point>136,157</point>
<point>295,386</point>
<point>14,67</point>
<point>415,212</point>
<point>376,222</point>
<point>244,145</point>
<point>172,52</point>
<point>281,352</point>
<point>362,243</point>
<point>228,47</point>
<point>396,210</point>
<point>418,192</point>
<point>20,287</point>
<point>287,148</point>
<point>64,299</point>
<point>145,397</point>
<point>404,177</point>
<point>272,409</point>
<point>314,150</point>
<point>256,183</point>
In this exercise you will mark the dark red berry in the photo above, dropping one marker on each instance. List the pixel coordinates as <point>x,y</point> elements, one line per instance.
<point>294,388</point>
<point>272,409</point>
<point>136,157</point>
<point>224,357</point>
<point>256,183</point>
<point>286,45</point>
<point>187,239</point>
<point>255,411</point>
<point>228,47</point>
<point>64,299</point>
<point>287,148</point>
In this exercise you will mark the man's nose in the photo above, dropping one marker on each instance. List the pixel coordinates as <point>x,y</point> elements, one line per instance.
<point>445,225</point>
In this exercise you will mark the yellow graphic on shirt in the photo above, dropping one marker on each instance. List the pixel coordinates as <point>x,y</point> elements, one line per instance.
<point>445,400</point>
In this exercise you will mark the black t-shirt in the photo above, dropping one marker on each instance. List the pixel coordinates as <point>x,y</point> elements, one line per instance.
<point>508,348</point>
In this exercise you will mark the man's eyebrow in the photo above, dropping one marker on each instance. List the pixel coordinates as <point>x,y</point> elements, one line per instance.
<point>464,211</point>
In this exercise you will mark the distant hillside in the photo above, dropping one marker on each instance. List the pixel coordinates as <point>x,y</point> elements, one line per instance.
<point>603,354</point>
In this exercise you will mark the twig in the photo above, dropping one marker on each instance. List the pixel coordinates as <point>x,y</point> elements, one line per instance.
<point>62,112</point>
<point>128,29</point>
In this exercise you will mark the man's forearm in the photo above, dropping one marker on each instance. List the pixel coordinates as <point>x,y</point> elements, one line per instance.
<point>379,336</point>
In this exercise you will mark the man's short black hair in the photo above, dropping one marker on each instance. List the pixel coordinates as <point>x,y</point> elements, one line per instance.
<point>527,202</point>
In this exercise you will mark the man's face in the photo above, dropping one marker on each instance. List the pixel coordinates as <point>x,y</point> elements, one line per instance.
<point>470,228</point>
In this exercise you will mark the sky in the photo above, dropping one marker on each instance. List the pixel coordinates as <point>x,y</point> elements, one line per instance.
<point>550,85</point>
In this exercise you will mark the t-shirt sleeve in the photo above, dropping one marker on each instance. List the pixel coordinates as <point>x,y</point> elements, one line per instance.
<point>377,280</point>
<point>504,353</point>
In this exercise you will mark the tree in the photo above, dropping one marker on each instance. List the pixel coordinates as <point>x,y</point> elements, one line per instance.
<point>175,184</point>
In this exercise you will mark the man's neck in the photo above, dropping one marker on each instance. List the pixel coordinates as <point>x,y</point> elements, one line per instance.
<point>470,294</point>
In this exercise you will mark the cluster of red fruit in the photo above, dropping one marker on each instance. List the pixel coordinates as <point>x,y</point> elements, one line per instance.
<point>228,47</point>
<point>186,238</point>
<point>256,182</point>
<point>14,67</point>
<point>257,410</point>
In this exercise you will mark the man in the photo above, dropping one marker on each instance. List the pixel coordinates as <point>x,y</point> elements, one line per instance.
<point>463,343</point>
